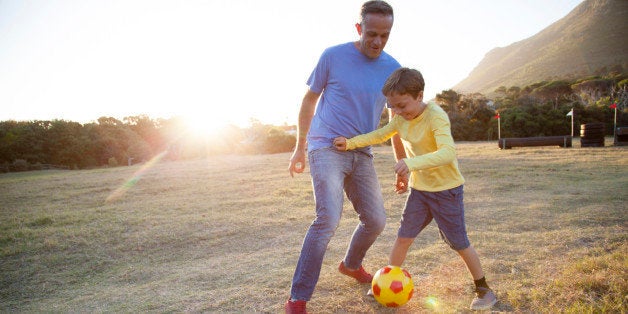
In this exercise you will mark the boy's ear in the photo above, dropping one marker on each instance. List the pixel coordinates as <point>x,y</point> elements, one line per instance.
<point>358,27</point>
<point>419,96</point>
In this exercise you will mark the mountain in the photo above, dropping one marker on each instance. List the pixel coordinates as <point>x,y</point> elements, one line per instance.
<point>592,39</point>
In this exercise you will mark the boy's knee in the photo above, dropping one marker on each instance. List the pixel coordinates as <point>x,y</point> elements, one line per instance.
<point>458,246</point>
<point>456,242</point>
<point>405,241</point>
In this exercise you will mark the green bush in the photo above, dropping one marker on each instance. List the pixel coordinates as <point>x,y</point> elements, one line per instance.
<point>112,162</point>
<point>20,165</point>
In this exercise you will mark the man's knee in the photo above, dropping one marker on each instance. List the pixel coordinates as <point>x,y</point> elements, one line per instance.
<point>326,223</point>
<point>377,224</point>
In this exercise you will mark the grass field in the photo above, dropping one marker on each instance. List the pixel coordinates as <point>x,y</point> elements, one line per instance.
<point>223,235</point>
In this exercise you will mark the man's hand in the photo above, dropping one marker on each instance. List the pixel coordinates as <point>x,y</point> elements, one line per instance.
<point>340,143</point>
<point>402,184</point>
<point>297,162</point>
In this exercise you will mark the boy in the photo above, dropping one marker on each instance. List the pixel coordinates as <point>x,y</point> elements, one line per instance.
<point>435,180</point>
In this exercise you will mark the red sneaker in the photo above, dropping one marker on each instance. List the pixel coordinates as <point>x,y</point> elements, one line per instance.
<point>360,275</point>
<point>295,307</point>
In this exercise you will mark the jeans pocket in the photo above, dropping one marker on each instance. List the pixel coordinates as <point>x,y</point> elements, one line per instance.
<point>313,156</point>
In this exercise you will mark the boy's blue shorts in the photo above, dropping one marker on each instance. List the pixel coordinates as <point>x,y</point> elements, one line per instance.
<point>446,207</point>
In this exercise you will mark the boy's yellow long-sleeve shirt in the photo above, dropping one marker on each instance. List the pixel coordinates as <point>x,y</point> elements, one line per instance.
<point>429,146</point>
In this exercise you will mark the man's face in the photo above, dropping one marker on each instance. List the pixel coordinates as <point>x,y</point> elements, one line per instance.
<point>374,32</point>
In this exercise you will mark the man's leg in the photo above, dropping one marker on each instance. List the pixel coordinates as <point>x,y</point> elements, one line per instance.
<point>365,193</point>
<point>327,170</point>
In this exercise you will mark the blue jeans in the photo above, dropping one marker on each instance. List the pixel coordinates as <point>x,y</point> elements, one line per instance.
<point>332,172</point>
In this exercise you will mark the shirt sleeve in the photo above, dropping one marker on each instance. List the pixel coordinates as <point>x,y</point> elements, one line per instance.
<point>445,149</point>
<point>375,137</point>
<point>319,76</point>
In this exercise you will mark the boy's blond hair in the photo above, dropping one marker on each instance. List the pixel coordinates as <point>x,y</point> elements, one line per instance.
<point>404,81</point>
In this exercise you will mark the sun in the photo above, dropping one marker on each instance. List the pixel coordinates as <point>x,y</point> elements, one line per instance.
<point>204,125</point>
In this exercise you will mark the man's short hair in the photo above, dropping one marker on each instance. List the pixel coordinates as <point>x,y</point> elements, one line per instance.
<point>377,7</point>
<point>404,81</point>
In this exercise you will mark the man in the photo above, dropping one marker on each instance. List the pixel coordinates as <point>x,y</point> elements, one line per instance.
<point>348,80</point>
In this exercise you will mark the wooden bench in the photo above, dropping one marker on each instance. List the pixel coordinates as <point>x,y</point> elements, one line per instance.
<point>621,136</point>
<point>561,141</point>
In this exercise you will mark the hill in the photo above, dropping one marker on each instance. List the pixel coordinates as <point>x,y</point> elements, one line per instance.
<point>590,40</point>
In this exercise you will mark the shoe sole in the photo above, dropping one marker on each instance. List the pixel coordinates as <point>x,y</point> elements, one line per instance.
<point>484,307</point>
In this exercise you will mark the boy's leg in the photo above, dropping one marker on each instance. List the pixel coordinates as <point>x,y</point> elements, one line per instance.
<point>472,260</point>
<point>448,211</point>
<point>416,216</point>
<point>399,251</point>
<point>484,297</point>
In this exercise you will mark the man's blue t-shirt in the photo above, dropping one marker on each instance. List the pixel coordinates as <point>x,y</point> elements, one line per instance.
<point>351,102</point>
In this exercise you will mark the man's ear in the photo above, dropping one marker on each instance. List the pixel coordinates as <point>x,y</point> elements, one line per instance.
<point>358,27</point>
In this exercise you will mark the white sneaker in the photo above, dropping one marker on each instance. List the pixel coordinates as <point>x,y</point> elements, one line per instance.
<point>484,299</point>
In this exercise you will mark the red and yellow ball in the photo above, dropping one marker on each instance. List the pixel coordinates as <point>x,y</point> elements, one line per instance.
<point>392,286</point>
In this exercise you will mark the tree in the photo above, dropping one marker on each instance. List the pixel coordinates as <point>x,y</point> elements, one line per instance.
<point>148,130</point>
<point>67,144</point>
<point>469,115</point>
<point>278,141</point>
<point>115,139</point>
<point>514,91</point>
<point>448,100</point>
<point>591,90</point>
<point>553,91</point>
<point>8,138</point>
<point>501,90</point>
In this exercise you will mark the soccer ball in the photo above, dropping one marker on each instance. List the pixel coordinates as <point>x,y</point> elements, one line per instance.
<point>392,286</point>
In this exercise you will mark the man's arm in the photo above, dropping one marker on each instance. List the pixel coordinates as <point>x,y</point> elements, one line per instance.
<point>401,186</point>
<point>297,161</point>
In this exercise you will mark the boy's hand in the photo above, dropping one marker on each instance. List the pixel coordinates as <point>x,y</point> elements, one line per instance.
<point>340,143</point>
<point>401,169</point>
<point>402,184</point>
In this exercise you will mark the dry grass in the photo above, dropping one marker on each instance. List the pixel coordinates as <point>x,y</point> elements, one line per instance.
<point>223,235</point>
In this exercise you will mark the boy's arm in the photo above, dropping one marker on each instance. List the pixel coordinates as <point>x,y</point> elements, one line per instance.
<point>445,149</point>
<point>375,137</point>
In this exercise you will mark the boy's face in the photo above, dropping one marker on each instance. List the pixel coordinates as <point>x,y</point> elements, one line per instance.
<point>405,105</point>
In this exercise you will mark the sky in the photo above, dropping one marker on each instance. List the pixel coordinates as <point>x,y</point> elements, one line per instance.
<point>218,62</point>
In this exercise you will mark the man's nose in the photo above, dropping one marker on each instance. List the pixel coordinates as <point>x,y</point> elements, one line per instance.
<point>377,41</point>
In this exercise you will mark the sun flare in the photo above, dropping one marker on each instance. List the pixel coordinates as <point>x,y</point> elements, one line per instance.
<point>204,125</point>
